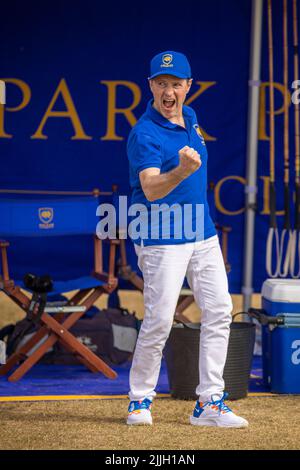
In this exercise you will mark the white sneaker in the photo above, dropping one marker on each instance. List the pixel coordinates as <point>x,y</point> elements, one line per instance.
<point>139,412</point>
<point>216,413</point>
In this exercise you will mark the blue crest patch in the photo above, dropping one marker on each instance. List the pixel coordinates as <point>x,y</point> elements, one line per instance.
<point>46,215</point>
<point>197,129</point>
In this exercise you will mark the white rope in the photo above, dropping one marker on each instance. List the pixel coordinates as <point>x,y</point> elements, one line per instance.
<point>284,261</point>
<point>272,234</point>
<point>295,250</point>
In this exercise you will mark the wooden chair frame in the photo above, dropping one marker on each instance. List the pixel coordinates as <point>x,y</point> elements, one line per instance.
<point>56,328</point>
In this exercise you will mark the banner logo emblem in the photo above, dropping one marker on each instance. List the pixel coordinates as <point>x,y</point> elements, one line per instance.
<point>46,215</point>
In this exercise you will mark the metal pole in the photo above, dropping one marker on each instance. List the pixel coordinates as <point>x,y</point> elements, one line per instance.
<point>251,188</point>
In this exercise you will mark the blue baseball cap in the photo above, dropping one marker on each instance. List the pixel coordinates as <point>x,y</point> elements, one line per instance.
<point>170,63</point>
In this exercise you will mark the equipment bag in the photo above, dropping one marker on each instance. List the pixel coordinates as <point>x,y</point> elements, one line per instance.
<point>111,334</point>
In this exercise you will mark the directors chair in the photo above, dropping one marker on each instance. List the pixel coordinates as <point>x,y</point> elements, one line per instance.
<point>36,228</point>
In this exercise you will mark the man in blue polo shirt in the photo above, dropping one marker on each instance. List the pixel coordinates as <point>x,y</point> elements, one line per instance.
<point>168,176</point>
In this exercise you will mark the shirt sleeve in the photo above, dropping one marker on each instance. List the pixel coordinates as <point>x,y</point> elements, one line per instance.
<point>143,152</point>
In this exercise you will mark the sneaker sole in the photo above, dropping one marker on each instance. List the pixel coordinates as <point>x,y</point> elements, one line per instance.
<point>211,422</point>
<point>138,423</point>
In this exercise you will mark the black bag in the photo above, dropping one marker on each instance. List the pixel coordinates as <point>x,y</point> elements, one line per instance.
<point>111,334</point>
<point>16,335</point>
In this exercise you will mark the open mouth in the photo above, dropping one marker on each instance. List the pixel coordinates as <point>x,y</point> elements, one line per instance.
<point>169,104</point>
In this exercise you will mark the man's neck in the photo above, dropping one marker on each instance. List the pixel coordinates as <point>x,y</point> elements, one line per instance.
<point>179,120</point>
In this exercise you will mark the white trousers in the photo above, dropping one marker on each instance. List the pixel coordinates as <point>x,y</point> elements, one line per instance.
<point>164,268</point>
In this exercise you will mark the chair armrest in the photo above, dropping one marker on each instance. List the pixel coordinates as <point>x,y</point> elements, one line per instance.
<point>108,278</point>
<point>223,228</point>
<point>3,247</point>
<point>110,281</point>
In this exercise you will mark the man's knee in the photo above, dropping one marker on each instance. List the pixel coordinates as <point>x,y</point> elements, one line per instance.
<point>220,299</point>
<point>158,330</point>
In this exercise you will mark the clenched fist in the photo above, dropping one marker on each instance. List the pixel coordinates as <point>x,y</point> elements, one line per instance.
<point>189,161</point>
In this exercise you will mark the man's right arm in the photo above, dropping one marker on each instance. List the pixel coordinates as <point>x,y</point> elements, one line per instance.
<point>157,185</point>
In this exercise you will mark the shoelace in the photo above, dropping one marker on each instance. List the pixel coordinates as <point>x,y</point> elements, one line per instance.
<point>137,405</point>
<point>220,403</point>
<point>145,404</point>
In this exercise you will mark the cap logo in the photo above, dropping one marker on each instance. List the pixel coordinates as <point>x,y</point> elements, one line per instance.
<point>167,60</point>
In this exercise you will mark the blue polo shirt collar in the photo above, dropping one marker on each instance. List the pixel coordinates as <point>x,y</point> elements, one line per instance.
<point>157,117</point>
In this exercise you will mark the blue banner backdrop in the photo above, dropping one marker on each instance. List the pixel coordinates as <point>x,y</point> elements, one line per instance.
<point>76,75</point>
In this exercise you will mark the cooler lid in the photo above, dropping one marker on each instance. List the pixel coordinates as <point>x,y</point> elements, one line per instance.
<point>281,290</point>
